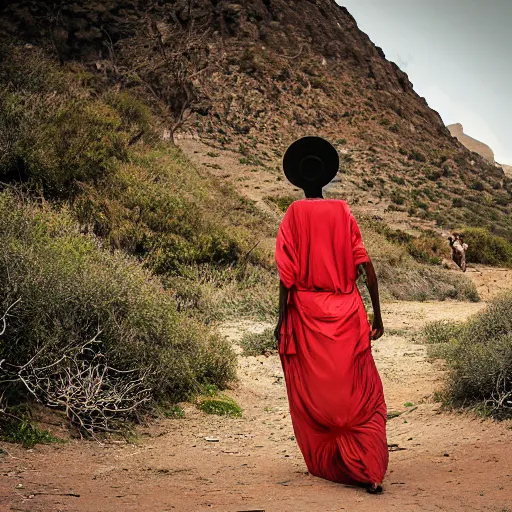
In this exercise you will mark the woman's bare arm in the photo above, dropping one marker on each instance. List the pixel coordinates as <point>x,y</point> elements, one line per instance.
<point>283,300</point>
<point>373,288</point>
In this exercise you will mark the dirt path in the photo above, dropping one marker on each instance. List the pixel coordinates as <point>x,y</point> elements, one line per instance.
<point>490,281</point>
<point>446,461</point>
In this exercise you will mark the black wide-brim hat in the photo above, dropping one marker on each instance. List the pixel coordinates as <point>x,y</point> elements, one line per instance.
<point>311,162</point>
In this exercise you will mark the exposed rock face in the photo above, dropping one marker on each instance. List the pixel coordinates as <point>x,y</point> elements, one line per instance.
<point>296,66</point>
<point>508,170</point>
<point>474,145</point>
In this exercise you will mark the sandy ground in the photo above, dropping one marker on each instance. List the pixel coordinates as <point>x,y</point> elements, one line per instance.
<point>443,461</point>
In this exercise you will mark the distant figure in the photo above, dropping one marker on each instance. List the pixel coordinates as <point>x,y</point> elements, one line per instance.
<point>334,389</point>
<point>459,249</point>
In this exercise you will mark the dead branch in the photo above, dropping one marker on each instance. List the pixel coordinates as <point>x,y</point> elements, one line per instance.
<point>167,61</point>
<point>94,395</point>
<point>293,57</point>
<point>6,314</point>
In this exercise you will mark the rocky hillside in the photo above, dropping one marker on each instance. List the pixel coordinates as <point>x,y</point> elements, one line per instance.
<point>472,144</point>
<point>276,70</point>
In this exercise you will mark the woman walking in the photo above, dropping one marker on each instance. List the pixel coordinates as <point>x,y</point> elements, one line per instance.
<point>334,390</point>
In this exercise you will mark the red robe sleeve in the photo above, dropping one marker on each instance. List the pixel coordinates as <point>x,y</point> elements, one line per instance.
<point>286,250</point>
<point>358,249</point>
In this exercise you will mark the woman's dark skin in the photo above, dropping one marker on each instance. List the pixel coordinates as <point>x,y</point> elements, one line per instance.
<point>371,283</point>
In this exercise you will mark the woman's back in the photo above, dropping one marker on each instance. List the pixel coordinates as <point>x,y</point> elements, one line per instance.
<point>321,244</point>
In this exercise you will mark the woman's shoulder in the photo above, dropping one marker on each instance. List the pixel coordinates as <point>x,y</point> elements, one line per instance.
<point>304,201</point>
<point>311,205</point>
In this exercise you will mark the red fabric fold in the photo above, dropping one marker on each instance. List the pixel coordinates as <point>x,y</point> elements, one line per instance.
<point>334,390</point>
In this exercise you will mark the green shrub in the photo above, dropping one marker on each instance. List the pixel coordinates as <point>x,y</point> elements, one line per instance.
<point>397,197</point>
<point>251,160</point>
<point>478,185</point>
<point>283,202</point>
<point>135,116</point>
<point>479,357</point>
<point>417,156</point>
<point>398,180</point>
<point>434,175</point>
<point>219,404</point>
<point>428,249</point>
<point>80,143</point>
<point>442,336</point>
<point>256,344</point>
<point>81,305</point>
<point>487,248</point>
<point>174,412</point>
<point>52,132</point>
<point>22,431</point>
<point>160,208</point>
<point>402,277</point>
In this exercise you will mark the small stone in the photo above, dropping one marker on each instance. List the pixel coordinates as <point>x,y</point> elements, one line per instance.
<point>446,454</point>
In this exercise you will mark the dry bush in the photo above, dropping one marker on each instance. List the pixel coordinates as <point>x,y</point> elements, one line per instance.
<point>69,289</point>
<point>212,294</point>
<point>478,354</point>
<point>166,61</point>
<point>56,131</point>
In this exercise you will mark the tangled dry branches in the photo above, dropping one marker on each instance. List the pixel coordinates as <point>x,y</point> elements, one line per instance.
<point>501,400</point>
<point>95,396</point>
<point>168,61</point>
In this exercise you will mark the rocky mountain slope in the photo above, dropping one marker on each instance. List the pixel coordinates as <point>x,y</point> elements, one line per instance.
<point>457,131</point>
<point>279,69</point>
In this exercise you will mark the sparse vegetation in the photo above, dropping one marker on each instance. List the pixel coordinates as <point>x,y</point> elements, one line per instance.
<point>283,202</point>
<point>251,160</point>
<point>417,156</point>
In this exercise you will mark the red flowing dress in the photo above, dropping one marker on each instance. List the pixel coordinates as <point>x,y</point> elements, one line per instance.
<point>334,390</point>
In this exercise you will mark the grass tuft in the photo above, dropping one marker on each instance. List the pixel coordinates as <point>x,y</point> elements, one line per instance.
<point>174,412</point>
<point>23,431</point>
<point>256,344</point>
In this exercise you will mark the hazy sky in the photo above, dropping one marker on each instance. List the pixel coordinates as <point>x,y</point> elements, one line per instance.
<point>458,55</point>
